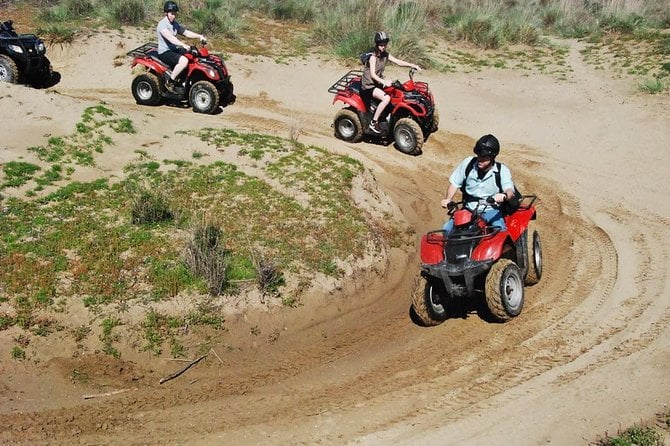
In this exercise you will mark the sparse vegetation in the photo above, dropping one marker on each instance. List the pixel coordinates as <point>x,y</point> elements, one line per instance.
<point>634,436</point>
<point>126,241</point>
<point>18,353</point>
<point>345,29</point>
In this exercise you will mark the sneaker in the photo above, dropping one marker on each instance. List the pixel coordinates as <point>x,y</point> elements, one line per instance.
<point>169,83</point>
<point>374,127</point>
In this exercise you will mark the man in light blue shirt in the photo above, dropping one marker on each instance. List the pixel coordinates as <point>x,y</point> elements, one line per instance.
<point>479,177</point>
<point>169,46</point>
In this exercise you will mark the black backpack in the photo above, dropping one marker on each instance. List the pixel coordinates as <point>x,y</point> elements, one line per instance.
<point>366,56</point>
<point>506,207</point>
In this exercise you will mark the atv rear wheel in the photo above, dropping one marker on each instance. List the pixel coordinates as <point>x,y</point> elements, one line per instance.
<point>8,70</point>
<point>146,89</point>
<point>533,257</point>
<point>430,304</point>
<point>504,290</point>
<point>408,136</point>
<point>348,126</point>
<point>204,97</point>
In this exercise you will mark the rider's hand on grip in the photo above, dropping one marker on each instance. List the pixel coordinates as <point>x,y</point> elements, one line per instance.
<point>447,204</point>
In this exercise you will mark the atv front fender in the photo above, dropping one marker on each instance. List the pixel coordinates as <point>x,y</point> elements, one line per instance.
<point>490,248</point>
<point>419,111</point>
<point>518,222</point>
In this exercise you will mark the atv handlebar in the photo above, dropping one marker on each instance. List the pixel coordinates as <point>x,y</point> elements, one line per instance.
<point>454,206</point>
<point>397,85</point>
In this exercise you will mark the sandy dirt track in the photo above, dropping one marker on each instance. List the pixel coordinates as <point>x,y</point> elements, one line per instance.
<point>591,349</point>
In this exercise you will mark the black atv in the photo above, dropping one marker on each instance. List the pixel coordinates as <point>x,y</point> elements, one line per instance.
<point>23,58</point>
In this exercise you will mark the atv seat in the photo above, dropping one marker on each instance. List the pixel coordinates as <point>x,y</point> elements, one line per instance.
<point>355,86</point>
<point>154,56</point>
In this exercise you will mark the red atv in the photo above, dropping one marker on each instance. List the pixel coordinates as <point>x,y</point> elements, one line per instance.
<point>410,117</point>
<point>205,83</point>
<point>476,258</point>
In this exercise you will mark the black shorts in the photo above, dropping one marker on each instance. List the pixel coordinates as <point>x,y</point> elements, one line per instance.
<point>171,58</point>
<point>366,95</point>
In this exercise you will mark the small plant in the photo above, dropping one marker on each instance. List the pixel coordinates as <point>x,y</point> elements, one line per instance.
<point>80,333</point>
<point>6,321</point>
<point>653,86</point>
<point>268,276</point>
<point>634,436</point>
<point>17,173</point>
<point>107,338</point>
<point>79,377</point>
<point>18,353</point>
<point>294,131</point>
<point>206,256</point>
<point>149,207</point>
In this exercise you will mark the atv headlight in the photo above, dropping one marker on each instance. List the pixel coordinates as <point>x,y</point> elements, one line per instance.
<point>40,47</point>
<point>211,72</point>
<point>15,48</point>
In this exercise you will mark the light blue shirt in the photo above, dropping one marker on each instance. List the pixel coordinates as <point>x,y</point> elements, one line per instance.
<point>174,27</point>
<point>485,187</point>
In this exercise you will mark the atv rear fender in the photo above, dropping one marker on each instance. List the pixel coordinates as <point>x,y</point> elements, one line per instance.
<point>354,101</point>
<point>150,64</point>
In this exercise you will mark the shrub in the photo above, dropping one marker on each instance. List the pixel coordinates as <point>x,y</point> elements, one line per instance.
<point>206,256</point>
<point>149,207</point>
<point>128,12</point>
<point>268,276</point>
<point>79,8</point>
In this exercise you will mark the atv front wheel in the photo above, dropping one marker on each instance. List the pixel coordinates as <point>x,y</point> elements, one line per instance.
<point>347,126</point>
<point>430,304</point>
<point>533,257</point>
<point>227,97</point>
<point>146,89</point>
<point>8,70</point>
<point>504,290</point>
<point>204,97</point>
<point>436,121</point>
<point>408,136</point>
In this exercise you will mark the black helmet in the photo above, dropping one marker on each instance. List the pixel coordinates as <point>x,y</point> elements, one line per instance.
<point>381,37</point>
<point>487,145</point>
<point>170,6</point>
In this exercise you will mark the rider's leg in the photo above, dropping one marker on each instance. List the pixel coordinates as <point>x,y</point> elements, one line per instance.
<point>384,99</point>
<point>448,226</point>
<point>176,71</point>
<point>495,218</point>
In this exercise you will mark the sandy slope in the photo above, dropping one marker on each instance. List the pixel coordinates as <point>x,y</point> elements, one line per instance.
<point>591,349</point>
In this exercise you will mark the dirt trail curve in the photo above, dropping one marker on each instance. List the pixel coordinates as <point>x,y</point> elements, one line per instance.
<point>591,348</point>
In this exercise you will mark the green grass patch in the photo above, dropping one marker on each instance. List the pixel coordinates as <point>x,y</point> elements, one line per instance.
<point>138,239</point>
<point>17,173</point>
<point>634,436</point>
